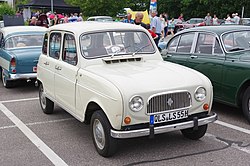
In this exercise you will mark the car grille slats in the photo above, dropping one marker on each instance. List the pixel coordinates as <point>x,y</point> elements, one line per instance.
<point>168,102</point>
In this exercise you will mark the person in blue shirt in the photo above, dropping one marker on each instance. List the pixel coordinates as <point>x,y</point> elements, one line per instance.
<point>129,19</point>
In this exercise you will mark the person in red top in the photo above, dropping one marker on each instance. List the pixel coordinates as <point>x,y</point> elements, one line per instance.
<point>154,35</point>
<point>181,17</point>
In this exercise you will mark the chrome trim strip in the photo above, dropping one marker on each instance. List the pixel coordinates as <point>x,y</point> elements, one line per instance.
<point>22,76</point>
<point>162,129</point>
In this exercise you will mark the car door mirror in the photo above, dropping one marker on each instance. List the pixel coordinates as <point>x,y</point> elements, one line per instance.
<point>164,52</point>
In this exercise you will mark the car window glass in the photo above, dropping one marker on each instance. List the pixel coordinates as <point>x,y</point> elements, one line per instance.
<point>173,44</point>
<point>235,41</point>
<point>45,44</point>
<point>69,49</point>
<point>217,48</point>
<point>1,40</point>
<point>115,43</point>
<point>55,45</point>
<point>24,41</point>
<point>205,44</point>
<point>185,43</point>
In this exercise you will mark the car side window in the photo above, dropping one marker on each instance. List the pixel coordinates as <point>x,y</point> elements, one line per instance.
<point>217,48</point>
<point>205,44</point>
<point>45,44</point>
<point>185,43</point>
<point>69,49</point>
<point>173,44</point>
<point>55,45</point>
<point>1,40</point>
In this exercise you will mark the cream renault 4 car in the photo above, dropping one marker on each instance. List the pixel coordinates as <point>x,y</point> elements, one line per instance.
<point>112,76</point>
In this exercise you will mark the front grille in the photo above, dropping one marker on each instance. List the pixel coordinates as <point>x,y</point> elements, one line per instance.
<point>168,102</point>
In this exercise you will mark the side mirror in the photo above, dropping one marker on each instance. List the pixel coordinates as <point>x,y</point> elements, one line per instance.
<point>164,52</point>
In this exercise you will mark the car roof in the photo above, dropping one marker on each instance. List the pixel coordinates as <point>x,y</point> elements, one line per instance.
<point>218,29</point>
<point>20,29</point>
<point>100,17</point>
<point>91,26</point>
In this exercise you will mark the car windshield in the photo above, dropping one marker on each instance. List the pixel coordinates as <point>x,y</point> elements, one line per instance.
<point>236,41</point>
<point>195,21</point>
<point>24,41</point>
<point>104,19</point>
<point>105,44</point>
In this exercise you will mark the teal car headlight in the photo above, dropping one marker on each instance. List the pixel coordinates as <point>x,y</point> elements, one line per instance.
<point>136,103</point>
<point>200,94</point>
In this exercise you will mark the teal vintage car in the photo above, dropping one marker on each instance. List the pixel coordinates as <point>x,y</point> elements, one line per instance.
<point>20,48</point>
<point>222,53</point>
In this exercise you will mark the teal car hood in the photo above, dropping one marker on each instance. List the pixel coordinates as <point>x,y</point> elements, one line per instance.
<point>26,55</point>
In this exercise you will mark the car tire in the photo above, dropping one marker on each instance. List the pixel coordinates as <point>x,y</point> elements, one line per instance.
<point>6,83</point>
<point>194,134</point>
<point>105,145</point>
<point>246,104</point>
<point>46,104</point>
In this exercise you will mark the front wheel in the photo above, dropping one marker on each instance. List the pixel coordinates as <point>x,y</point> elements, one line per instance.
<point>46,104</point>
<point>195,134</point>
<point>100,128</point>
<point>246,104</point>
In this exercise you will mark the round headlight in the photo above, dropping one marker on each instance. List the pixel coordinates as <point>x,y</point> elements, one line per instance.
<point>136,103</point>
<point>200,94</point>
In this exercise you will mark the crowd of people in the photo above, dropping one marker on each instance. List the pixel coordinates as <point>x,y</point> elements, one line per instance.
<point>51,19</point>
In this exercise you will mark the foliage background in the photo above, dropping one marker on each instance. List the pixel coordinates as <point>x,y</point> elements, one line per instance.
<point>190,8</point>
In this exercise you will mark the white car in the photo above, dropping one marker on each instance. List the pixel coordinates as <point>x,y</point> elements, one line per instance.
<point>112,76</point>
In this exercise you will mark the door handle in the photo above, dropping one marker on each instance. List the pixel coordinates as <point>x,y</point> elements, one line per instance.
<point>169,55</point>
<point>193,56</point>
<point>46,63</point>
<point>58,68</point>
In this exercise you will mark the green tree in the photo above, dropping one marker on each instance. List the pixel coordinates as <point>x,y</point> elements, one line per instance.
<point>5,9</point>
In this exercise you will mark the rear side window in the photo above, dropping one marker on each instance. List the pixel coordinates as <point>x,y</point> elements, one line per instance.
<point>69,49</point>
<point>45,44</point>
<point>173,44</point>
<point>185,43</point>
<point>55,45</point>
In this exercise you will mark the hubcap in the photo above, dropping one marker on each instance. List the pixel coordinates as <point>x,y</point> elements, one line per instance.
<point>3,78</point>
<point>249,105</point>
<point>98,133</point>
<point>42,97</point>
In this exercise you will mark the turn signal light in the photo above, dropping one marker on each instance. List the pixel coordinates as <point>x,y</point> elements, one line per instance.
<point>13,62</point>
<point>205,106</point>
<point>127,120</point>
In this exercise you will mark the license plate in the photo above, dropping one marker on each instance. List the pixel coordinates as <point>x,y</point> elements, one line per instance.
<point>168,116</point>
<point>34,69</point>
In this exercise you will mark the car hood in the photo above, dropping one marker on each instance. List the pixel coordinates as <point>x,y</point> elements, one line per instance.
<point>26,55</point>
<point>150,76</point>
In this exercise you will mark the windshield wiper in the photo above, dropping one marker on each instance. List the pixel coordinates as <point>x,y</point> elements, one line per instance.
<point>139,49</point>
<point>118,51</point>
<point>236,49</point>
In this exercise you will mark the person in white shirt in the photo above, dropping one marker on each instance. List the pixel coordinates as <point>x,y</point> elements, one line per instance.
<point>215,20</point>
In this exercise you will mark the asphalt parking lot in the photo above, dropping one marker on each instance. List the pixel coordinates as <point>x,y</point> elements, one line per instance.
<point>30,137</point>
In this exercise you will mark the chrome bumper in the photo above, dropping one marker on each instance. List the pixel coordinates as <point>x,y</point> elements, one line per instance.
<point>163,129</point>
<point>22,76</point>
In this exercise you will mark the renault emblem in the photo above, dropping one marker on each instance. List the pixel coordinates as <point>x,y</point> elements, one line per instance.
<point>170,102</point>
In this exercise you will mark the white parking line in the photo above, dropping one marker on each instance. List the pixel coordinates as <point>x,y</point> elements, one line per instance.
<point>38,123</point>
<point>243,130</point>
<point>49,153</point>
<point>17,100</point>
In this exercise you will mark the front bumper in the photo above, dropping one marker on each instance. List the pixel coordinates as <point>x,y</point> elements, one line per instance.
<point>22,76</point>
<point>164,129</point>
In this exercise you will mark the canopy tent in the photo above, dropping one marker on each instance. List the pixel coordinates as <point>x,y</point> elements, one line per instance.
<point>59,6</point>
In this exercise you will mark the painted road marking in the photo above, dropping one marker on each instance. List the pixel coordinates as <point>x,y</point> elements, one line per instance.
<point>235,145</point>
<point>38,123</point>
<point>243,130</point>
<point>11,101</point>
<point>49,153</point>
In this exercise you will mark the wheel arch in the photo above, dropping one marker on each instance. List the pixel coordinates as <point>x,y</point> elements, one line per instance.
<point>91,108</point>
<point>241,91</point>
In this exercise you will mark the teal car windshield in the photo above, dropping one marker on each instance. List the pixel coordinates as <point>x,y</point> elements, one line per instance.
<point>24,41</point>
<point>114,43</point>
<point>236,41</point>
